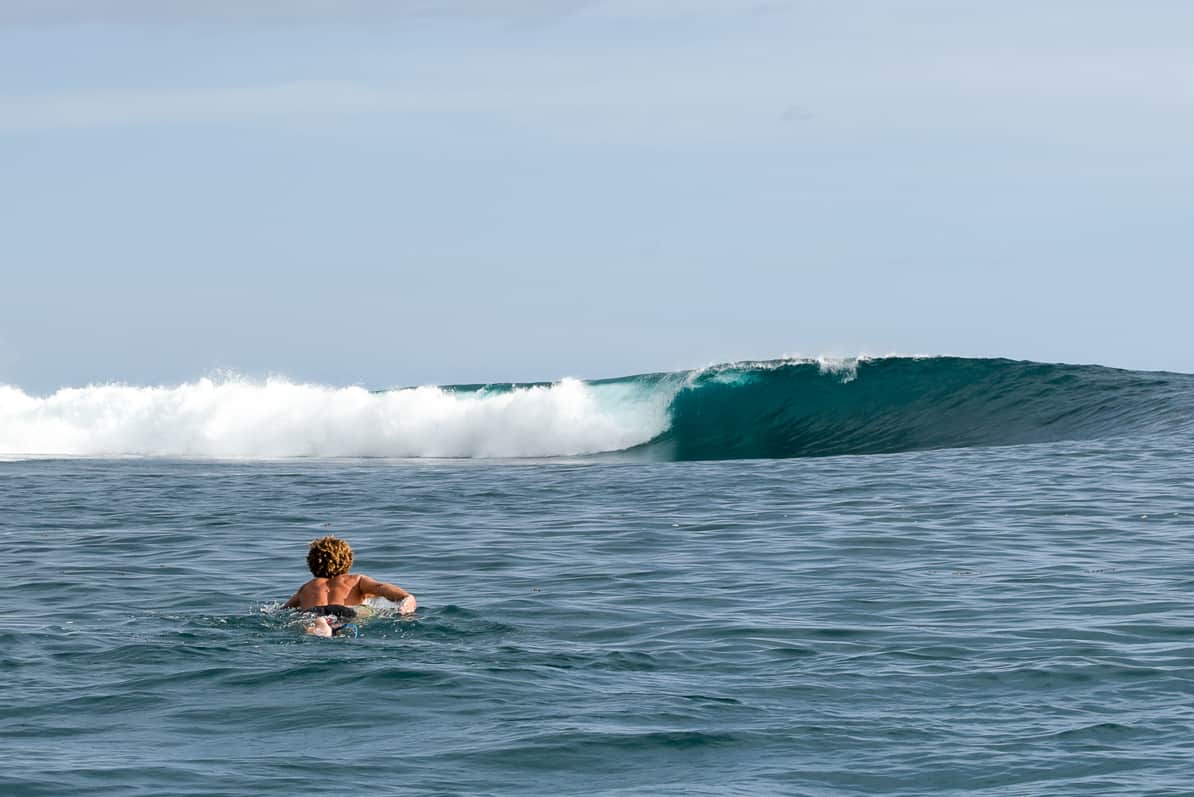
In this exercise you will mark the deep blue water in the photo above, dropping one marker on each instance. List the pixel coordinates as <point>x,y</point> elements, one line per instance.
<point>1008,620</point>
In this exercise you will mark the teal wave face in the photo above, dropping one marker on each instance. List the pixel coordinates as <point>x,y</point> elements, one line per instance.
<point>803,409</point>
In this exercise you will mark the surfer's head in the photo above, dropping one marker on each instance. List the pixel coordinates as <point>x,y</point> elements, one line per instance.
<point>329,556</point>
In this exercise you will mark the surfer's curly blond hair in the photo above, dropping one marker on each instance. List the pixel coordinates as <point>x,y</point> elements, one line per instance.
<point>329,556</point>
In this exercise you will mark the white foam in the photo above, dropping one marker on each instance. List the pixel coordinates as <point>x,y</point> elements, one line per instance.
<point>240,418</point>
<point>845,368</point>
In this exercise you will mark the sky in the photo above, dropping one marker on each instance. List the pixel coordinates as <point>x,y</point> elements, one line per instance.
<point>397,193</point>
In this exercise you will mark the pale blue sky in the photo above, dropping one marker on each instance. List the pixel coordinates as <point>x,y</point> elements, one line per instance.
<point>379,193</point>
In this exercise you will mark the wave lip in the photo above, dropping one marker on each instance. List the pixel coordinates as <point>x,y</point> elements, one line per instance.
<point>760,409</point>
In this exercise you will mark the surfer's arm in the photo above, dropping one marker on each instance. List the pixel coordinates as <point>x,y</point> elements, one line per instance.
<point>392,592</point>
<point>369,586</point>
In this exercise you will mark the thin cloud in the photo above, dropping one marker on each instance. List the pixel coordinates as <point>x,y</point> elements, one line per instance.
<point>71,12</point>
<point>525,89</point>
<point>796,113</point>
<point>120,108</point>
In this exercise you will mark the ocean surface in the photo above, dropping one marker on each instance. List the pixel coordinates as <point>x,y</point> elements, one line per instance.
<point>930,576</point>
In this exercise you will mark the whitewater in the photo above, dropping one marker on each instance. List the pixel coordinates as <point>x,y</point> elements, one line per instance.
<point>275,418</point>
<point>753,409</point>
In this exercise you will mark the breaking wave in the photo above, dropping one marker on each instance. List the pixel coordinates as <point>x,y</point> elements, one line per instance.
<point>777,408</point>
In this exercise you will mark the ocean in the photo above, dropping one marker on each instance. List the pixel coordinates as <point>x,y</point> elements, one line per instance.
<point>896,576</point>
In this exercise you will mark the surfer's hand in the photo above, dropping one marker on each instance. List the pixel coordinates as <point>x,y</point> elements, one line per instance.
<point>408,605</point>
<point>320,627</point>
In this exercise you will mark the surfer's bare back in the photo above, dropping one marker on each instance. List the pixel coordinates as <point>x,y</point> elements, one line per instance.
<point>334,591</point>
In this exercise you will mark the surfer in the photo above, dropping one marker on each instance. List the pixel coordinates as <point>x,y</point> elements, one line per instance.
<point>334,594</point>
